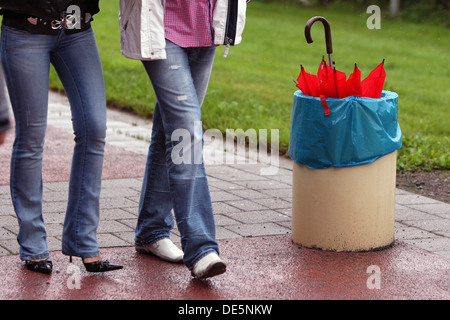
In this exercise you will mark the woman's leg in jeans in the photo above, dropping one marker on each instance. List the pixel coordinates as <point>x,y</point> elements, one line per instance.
<point>78,65</point>
<point>155,218</point>
<point>180,92</point>
<point>26,63</point>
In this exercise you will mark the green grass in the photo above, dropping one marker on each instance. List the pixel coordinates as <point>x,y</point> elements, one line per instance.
<point>253,87</point>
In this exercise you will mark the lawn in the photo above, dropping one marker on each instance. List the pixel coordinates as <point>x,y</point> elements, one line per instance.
<point>253,87</point>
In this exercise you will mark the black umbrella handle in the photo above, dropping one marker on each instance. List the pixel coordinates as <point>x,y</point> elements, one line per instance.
<point>327,27</point>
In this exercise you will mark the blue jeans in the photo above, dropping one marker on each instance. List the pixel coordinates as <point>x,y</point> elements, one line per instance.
<point>26,61</point>
<point>180,83</point>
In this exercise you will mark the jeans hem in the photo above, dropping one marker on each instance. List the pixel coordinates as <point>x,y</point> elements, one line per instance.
<point>35,257</point>
<point>82,255</point>
<point>147,243</point>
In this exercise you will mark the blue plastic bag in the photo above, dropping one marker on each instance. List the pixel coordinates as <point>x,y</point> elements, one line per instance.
<point>357,131</point>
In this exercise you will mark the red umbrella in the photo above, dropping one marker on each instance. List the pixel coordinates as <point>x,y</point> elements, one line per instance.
<point>353,84</point>
<point>308,83</point>
<point>331,83</point>
<point>372,86</point>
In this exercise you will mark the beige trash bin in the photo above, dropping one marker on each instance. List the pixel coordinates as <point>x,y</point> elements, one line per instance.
<point>345,209</point>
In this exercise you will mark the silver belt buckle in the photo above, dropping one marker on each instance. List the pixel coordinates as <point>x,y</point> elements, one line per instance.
<point>70,21</point>
<point>57,24</point>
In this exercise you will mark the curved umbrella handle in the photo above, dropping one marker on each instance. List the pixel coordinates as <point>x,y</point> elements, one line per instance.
<point>327,27</point>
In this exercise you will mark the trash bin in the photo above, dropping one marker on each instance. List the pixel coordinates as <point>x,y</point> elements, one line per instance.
<point>344,171</point>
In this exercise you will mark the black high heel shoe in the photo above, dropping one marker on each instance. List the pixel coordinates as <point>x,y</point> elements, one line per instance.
<point>42,266</point>
<point>100,266</point>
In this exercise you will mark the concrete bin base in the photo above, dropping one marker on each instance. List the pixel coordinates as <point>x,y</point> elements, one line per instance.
<point>345,209</point>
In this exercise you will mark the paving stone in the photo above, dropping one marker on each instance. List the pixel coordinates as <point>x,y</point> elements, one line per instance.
<point>258,229</point>
<point>259,216</point>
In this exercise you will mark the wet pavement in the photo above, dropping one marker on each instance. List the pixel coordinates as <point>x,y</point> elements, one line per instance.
<point>253,218</point>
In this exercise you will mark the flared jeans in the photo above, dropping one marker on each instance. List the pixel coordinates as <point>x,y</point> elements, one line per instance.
<point>175,177</point>
<point>26,60</point>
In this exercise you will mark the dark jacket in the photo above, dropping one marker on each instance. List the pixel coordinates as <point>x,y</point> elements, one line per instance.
<point>16,13</point>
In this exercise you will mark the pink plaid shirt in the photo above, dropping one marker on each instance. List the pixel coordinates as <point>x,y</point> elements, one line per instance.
<point>188,23</point>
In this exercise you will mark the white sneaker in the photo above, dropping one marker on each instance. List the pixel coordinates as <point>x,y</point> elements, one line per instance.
<point>209,266</point>
<point>165,249</point>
